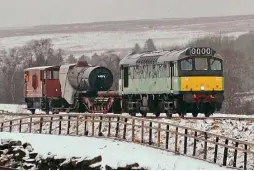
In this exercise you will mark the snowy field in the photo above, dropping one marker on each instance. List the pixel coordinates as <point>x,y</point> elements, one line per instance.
<point>118,36</point>
<point>114,153</point>
<point>98,42</point>
<point>103,41</point>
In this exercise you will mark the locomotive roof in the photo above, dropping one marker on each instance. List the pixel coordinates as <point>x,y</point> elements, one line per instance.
<point>42,68</point>
<point>160,56</point>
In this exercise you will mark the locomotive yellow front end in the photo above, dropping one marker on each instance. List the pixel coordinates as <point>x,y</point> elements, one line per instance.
<point>201,81</point>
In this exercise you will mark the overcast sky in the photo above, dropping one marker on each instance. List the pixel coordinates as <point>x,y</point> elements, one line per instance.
<point>15,13</point>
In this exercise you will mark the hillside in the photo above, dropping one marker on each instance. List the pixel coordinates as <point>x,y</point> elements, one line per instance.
<point>121,35</point>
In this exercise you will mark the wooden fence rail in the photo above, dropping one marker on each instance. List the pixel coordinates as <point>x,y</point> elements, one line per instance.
<point>182,140</point>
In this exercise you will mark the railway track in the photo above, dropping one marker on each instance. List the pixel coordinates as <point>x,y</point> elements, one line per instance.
<point>175,117</point>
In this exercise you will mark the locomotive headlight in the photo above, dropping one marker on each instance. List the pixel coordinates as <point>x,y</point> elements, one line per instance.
<point>202,87</point>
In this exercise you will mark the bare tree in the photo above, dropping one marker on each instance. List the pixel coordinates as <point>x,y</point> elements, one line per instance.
<point>71,59</point>
<point>12,76</point>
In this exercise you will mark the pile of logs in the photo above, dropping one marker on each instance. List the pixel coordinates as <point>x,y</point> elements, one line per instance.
<point>21,156</point>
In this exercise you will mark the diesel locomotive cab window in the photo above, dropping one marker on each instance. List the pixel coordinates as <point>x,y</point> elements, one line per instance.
<point>215,64</point>
<point>186,64</point>
<point>201,64</point>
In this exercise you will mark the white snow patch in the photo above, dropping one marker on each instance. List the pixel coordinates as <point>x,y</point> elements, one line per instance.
<point>114,153</point>
<point>13,108</point>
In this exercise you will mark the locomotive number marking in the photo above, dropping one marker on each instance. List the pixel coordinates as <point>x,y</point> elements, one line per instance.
<point>101,76</point>
<point>201,51</point>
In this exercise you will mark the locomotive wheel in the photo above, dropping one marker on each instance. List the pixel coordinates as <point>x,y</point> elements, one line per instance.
<point>194,110</point>
<point>209,110</point>
<point>182,108</point>
<point>143,113</point>
<point>194,114</point>
<point>207,114</point>
<point>132,113</point>
<point>181,114</point>
<point>32,111</point>
<point>157,114</point>
<point>169,115</point>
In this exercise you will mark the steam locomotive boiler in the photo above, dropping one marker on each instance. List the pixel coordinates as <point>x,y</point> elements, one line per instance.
<point>90,78</point>
<point>72,87</point>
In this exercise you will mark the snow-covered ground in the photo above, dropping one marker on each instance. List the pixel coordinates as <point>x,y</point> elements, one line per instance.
<point>114,153</point>
<point>13,108</point>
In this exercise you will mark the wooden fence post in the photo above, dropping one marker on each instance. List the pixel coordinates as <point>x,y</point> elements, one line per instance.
<point>20,125</point>
<point>68,125</point>
<point>195,143</point>
<point>41,121</point>
<point>167,136</point>
<point>85,127</point>
<point>100,126</point>
<point>225,155</point>
<point>185,141</point>
<point>2,125</point>
<point>159,135</point>
<point>117,126</point>
<point>205,146</point>
<point>150,133</point>
<point>92,125</point>
<point>245,157</point>
<point>109,126</point>
<point>142,131</point>
<point>60,125</point>
<point>30,125</point>
<point>176,140</point>
<point>50,125</point>
<point>77,125</point>
<point>133,129</point>
<point>216,150</point>
<point>124,127</point>
<point>235,154</point>
<point>10,124</point>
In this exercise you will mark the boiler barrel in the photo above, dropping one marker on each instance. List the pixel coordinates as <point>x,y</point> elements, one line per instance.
<point>87,78</point>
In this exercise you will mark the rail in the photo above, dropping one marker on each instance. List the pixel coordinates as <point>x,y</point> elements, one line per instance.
<point>174,138</point>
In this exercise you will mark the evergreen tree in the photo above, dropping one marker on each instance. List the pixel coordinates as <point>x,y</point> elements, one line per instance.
<point>149,46</point>
<point>137,48</point>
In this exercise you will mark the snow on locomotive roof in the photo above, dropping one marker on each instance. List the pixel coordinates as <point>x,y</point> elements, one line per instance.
<point>40,68</point>
<point>166,55</point>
